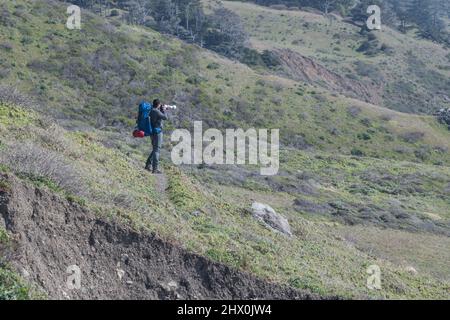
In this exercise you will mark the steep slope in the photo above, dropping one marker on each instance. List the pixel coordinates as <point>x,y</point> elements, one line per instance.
<point>304,69</point>
<point>352,174</point>
<point>202,217</point>
<point>51,234</point>
<point>407,73</point>
<point>96,76</point>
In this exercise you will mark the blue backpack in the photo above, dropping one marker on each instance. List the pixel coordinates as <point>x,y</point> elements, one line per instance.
<point>143,121</point>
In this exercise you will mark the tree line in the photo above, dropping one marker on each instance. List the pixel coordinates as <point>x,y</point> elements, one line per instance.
<point>428,16</point>
<point>221,31</point>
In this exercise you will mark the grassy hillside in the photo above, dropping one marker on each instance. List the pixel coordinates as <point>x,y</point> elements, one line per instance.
<point>96,76</point>
<point>408,73</point>
<point>353,174</point>
<point>317,258</point>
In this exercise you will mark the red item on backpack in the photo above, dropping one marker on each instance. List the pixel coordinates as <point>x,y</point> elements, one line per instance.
<point>138,134</point>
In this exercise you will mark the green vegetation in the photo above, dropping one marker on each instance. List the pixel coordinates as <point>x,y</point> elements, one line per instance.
<point>428,16</point>
<point>11,114</point>
<point>4,185</point>
<point>141,62</point>
<point>351,172</point>
<point>12,287</point>
<point>212,219</point>
<point>183,193</point>
<point>399,69</point>
<point>41,181</point>
<point>4,237</point>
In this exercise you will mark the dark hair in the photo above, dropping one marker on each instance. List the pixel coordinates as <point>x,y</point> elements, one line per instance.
<point>156,103</point>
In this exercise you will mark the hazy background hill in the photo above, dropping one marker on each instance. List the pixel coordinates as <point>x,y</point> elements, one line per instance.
<point>404,80</point>
<point>394,66</point>
<point>360,181</point>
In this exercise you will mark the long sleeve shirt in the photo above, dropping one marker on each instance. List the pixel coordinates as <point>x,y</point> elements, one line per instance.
<point>156,118</point>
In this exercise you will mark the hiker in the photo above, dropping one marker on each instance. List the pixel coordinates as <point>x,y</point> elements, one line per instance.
<point>157,115</point>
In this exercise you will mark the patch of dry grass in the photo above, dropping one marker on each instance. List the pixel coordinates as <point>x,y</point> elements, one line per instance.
<point>428,254</point>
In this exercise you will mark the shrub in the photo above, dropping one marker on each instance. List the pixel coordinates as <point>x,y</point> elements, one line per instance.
<point>4,187</point>
<point>26,40</point>
<point>260,82</point>
<point>12,96</point>
<point>386,117</point>
<point>270,59</point>
<point>443,116</point>
<point>367,122</point>
<point>423,153</point>
<point>251,57</point>
<point>412,137</point>
<point>4,72</point>
<point>213,66</point>
<point>6,46</point>
<point>371,37</point>
<point>364,136</point>
<point>354,111</point>
<point>357,152</point>
<point>4,237</point>
<point>366,70</point>
<point>43,167</point>
<point>387,49</point>
<point>195,80</point>
<point>176,62</point>
<point>370,47</point>
<point>5,17</point>
<point>12,287</point>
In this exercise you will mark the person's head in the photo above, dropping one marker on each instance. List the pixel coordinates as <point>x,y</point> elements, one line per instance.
<point>156,103</point>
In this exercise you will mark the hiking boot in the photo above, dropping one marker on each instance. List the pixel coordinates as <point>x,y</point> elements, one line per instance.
<point>148,168</point>
<point>156,171</point>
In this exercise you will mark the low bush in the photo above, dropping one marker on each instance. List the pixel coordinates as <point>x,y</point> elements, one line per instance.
<point>270,59</point>
<point>412,137</point>
<point>6,46</point>
<point>354,111</point>
<point>12,96</point>
<point>213,66</point>
<point>443,116</point>
<point>4,237</point>
<point>42,166</point>
<point>357,152</point>
<point>12,287</point>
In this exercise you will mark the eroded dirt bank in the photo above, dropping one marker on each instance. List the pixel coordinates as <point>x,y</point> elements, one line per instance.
<point>301,68</point>
<point>50,233</point>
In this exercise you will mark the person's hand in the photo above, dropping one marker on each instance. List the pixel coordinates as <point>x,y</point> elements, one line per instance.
<point>163,108</point>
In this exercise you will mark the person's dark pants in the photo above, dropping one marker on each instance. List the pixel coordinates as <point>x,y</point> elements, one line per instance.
<point>153,159</point>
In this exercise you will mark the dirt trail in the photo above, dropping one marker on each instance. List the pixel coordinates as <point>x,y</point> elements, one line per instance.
<point>116,262</point>
<point>161,184</point>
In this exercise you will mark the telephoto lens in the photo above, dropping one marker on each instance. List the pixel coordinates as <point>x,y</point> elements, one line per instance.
<point>170,107</point>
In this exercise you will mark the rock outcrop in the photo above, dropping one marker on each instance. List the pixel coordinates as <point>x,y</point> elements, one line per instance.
<point>270,218</point>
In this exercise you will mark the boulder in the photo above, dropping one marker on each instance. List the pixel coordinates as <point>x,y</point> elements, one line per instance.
<point>270,218</point>
<point>411,270</point>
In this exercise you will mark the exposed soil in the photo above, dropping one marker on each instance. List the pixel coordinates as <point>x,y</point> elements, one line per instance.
<point>50,234</point>
<point>301,68</point>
